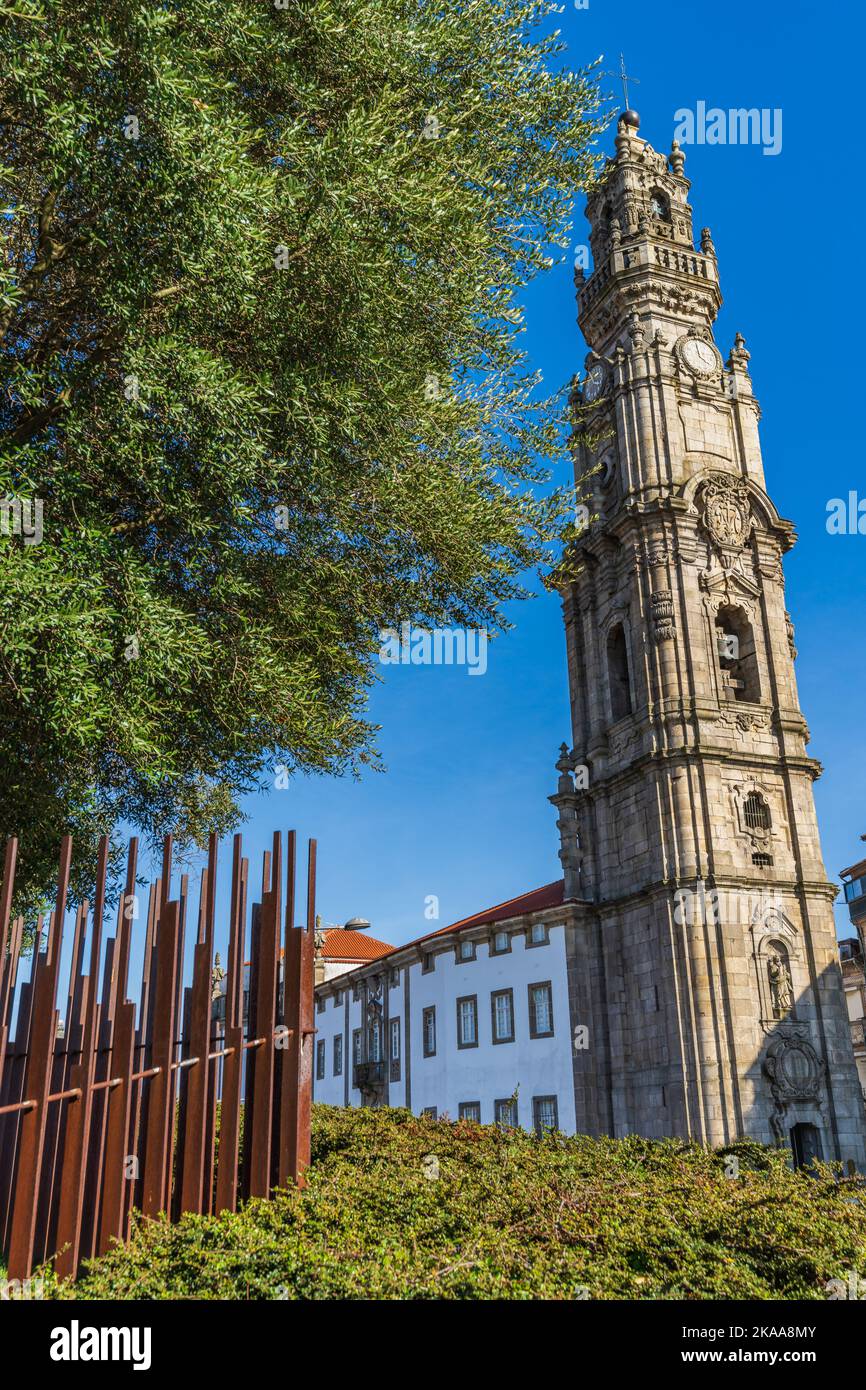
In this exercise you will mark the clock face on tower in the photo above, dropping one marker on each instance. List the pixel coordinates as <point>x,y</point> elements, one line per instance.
<point>594,382</point>
<point>698,356</point>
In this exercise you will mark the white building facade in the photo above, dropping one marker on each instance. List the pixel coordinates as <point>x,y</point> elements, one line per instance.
<point>470,1022</point>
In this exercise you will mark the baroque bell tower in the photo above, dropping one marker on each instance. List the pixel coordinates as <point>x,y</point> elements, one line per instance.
<point>702,957</point>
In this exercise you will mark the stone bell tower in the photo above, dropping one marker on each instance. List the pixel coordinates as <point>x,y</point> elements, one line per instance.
<point>703,954</point>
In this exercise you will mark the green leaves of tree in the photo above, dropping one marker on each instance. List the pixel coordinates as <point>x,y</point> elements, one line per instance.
<point>258,259</point>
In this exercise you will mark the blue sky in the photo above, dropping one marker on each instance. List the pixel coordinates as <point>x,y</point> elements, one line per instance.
<point>461,812</point>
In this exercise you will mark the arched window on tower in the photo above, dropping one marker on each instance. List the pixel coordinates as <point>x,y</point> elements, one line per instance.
<point>756,812</point>
<point>618,676</point>
<point>659,205</point>
<point>737,657</point>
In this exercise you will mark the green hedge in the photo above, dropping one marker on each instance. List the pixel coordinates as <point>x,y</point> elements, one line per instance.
<point>508,1216</point>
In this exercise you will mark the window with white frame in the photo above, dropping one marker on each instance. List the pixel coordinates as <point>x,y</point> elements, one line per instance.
<point>429,1031</point>
<point>394,1048</point>
<point>541,1010</point>
<point>467,1021</point>
<point>502,1015</point>
<point>470,1110</point>
<point>545,1116</point>
<point>374,1040</point>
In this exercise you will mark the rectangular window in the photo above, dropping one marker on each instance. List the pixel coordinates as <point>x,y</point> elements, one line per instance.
<point>338,1055</point>
<point>320,1060</point>
<point>356,1046</point>
<point>545,1114</point>
<point>537,934</point>
<point>470,1110</point>
<point>541,1010</point>
<point>429,1028</point>
<point>394,1048</point>
<point>466,950</point>
<point>338,998</point>
<point>393,977</point>
<point>467,1021</point>
<point>430,1111</point>
<point>428,962</point>
<point>502,1013</point>
<point>505,1112</point>
<point>501,943</point>
<point>320,1004</point>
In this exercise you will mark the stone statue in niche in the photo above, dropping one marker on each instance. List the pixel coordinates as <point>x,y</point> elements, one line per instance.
<point>781,989</point>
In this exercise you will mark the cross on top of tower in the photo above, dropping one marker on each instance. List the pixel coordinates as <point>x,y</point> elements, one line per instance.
<point>629,116</point>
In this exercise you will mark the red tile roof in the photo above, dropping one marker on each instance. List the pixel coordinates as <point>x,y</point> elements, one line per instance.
<point>551,895</point>
<point>340,944</point>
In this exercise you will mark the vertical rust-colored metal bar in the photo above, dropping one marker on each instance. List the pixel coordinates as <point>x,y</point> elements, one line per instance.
<point>9,950</point>
<point>6,893</point>
<point>227,1158</point>
<point>180,1049</point>
<point>124,935</point>
<point>138,1114</point>
<point>308,1025</point>
<point>213,1071</point>
<point>288,1062</point>
<point>7,993</point>
<point>116,1182</point>
<point>192,1189</point>
<point>262,1057</point>
<point>167,854</point>
<point>252,1033</point>
<point>13,1087</point>
<point>114,994</point>
<point>155,1177</point>
<point>37,1076</point>
<point>8,953</point>
<point>300,1019</point>
<point>76,1141</point>
<point>66,1050</point>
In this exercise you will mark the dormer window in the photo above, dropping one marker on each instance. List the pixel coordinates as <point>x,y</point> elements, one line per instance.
<point>660,207</point>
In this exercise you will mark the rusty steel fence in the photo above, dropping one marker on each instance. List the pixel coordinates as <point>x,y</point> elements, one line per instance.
<point>170,1107</point>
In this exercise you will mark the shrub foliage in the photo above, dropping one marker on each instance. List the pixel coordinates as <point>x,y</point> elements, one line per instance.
<point>401,1207</point>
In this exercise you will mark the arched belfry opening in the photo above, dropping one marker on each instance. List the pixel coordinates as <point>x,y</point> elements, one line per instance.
<point>737,655</point>
<point>619,679</point>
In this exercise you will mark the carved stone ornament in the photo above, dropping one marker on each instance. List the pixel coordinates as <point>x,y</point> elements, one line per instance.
<point>745,722</point>
<point>793,1067</point>
<point>663,615</point>
<point>727,515</point>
